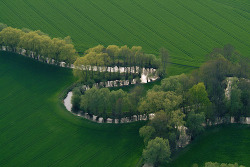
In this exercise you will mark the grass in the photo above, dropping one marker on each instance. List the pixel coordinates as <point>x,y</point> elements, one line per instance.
<point>223,144</point>
<point>36,129</point>
<point>188,29</point>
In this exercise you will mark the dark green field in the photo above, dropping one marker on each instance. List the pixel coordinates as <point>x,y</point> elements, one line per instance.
<point>223,144</point>
<point>189,29</point>
<point>36,130</point>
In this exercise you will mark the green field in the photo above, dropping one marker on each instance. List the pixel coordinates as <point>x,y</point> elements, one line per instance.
<point>36,129</point>
<point>188,29</point>
<point>223,144</point>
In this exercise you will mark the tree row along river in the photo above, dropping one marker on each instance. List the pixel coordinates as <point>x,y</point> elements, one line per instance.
<point>147,75</point>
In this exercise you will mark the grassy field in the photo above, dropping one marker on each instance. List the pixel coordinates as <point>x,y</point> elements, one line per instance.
<point>188,29</point>
<point>224,144</point>
<point>36,130</point>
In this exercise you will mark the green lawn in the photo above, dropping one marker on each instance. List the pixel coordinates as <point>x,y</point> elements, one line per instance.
<point>189,29</point>
<point>224,144</point>
<point>36,129</point>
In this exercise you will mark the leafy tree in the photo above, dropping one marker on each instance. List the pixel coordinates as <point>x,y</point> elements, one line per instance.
<point>194,123</point>
<point>82,68</point>
<point>11,37</point>
<point>178,84</point>
<point>26,30</point>
<point>68,40</point>
<point>171,84</point>
<point>134,97</point>
<point>133,60</point>
<point>161,123</point>
<point>96,49</point>
<point>76,100</point>
<point>45,43</point>
<point>213,73</point>
<point>157,152</point>
<point>113,52</point>
<point>198,97</point>
<point>235,104</point>
<point>166,124</point>
<point>244,86</point>
<point>172,101</point>
<point>120,103</point>
<point>146,132</point>
<point>156,101</point>
<point>90,101</point>
<point>104,102</point>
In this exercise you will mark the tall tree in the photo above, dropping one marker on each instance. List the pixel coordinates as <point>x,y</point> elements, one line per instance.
<point>235,104</point>
<point>11,37</point>
<point>146,132</point>
<point>134,98</point>
<point>198,97</point>
<point>213,73</point>
<point>194,123</point>
<point>157,152</point>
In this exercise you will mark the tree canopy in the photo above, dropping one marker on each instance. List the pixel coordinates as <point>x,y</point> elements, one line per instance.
<point>157,151</point>
<point>39,43</point>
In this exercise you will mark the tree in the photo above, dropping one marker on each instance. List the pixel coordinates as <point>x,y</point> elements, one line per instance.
<point>96,49</point>
<point>147,132</point>
<point>177,83</point>
<point>134,97</point>
<point>235,104</point>
<point>55,48</point>
<point>68,40</point>
<point>120,103</point>
<point>157,152</point>
<point>244,86</point>
<point>172,101</point>
<point>198,97</point>
<point>161,124</point>
<point>156,101</point>
<point>11,37</point>
<point>2,26</point>
<point>45,43</point>
<point>213,73</point>
<point>82,68</point>
<point>166,125</point>
<point>104,102</point>
<point>68,53</point>
<point>113,52</point>
<point>194,123</point>
<point>90,101</point>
